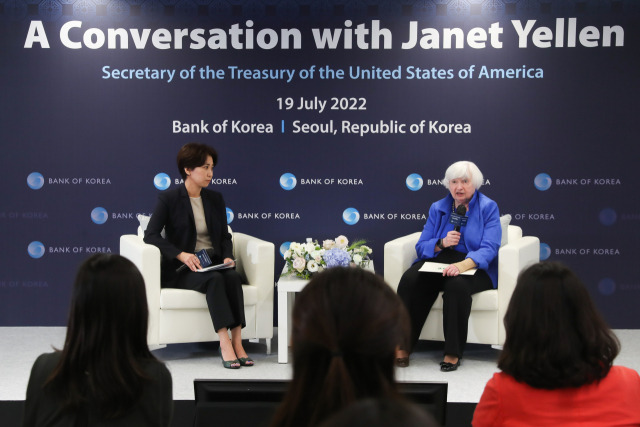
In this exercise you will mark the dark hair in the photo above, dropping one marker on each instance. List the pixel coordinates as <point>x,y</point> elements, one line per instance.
<point>193,155</point>
<point>382,413</point>
<point>555,337</point>
<point>347,325</point>
<point>105,349</point>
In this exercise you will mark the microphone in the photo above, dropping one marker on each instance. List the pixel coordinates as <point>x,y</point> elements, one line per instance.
<point>461,211</point>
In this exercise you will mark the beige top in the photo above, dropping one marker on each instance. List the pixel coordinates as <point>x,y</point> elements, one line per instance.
<point>203,241</point>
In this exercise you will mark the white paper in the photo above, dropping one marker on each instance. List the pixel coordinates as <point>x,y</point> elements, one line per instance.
<point>217,267</point>
<point>438,267</point>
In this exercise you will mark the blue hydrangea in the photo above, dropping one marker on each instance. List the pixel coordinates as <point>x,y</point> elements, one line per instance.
<point>337,258</point>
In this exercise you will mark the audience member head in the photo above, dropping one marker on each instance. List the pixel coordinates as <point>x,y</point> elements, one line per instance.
<point>193,155</point>
<point>106,337</point>
<point>381,413</point>
<point>347,324</point>
<point>555,337</point>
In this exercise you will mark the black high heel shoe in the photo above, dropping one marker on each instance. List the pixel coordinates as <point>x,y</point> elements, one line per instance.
<point>448,367</point>
<point>229,364</point>
<point>246,361</point>
<point>402,362</point>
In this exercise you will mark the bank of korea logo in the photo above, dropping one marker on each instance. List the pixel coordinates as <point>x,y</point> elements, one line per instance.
<point>608,217</point>
<point>35,249</point>
<point>162,181</point>
<point>35,180</point>
<point>284,247</point>
<point>351,216</point>
<point>288,181</point>
<point>545,251</point>
<point>542,181</point>
<point>414,182</point>
<point>99,215</point>
<point>607,286</point>
<point>229,216</point>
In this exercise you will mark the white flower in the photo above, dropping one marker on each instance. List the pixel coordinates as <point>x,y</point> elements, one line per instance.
<point>308,258</point>
<point>299,264</point>
<point>312,266</point>
<point>296,248</point>
<point>342,242</point>
<point>328,244</point>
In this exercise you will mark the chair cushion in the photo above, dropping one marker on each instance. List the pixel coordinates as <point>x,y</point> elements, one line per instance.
<point>505,220</point>
<point>143,220</point>
<point>177,299</point>
<point>482,301</point>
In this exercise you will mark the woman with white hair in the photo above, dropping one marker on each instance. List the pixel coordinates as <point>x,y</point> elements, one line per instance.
<point>462,231</point>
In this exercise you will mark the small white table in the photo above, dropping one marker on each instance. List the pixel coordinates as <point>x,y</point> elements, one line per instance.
<point>287,288</point>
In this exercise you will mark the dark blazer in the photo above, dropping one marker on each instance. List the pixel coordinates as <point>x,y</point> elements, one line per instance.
<point>155,407</point>
<point>174,214</point>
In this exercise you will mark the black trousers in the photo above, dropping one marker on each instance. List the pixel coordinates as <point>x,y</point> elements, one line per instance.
<point>419,290</point>
<point>223,289</point>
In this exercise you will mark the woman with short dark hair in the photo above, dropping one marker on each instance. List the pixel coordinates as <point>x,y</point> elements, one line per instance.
<point>194,218</point>
<point>105,373</point>
<point>193,155</point>
<point>557,360</point>
<point>347,323</point>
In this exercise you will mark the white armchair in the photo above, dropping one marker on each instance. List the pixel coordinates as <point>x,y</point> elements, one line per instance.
<point>179,315</point>
<point>488,307</point>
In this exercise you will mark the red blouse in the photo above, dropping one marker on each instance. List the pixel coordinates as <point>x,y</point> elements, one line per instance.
<point>613,401</point>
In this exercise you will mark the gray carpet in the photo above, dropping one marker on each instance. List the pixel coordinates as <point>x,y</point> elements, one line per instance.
<point>21,345</point>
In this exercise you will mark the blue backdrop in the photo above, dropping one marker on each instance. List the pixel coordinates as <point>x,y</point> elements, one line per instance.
<point>543,96</point>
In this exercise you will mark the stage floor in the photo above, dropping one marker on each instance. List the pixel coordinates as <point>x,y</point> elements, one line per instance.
<point>21,345</point>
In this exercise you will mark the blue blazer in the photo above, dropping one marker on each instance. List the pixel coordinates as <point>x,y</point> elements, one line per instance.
<point>174,214</point>
<point>482,235</point>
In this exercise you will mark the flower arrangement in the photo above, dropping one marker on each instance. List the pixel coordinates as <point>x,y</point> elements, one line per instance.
<point>304,259</point>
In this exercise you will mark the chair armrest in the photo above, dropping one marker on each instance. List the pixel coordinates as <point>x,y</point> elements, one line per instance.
<point>147,258</point>
<point>255,260</point>
<point>514,257</point>
<point>398,256</point>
